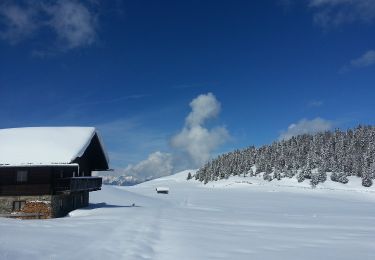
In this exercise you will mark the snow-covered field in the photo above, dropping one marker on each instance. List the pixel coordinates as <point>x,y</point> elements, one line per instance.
<point>239,218</point>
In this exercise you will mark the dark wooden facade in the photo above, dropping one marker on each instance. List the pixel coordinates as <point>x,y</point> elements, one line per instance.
<point>92,159</point>
<point>46,180</point>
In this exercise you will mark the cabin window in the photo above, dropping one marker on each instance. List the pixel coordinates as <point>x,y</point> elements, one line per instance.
<point>22,176</point>
<point>18,205</point>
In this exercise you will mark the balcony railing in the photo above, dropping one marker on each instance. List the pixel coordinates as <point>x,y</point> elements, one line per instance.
<point>78,184</point>
<point>25,189</point>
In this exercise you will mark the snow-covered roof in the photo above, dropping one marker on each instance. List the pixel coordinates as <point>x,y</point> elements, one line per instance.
<point>162,188</point>
<point>31,146</point>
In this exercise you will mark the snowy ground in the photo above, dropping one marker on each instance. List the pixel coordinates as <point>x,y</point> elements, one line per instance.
<point>232,219</point>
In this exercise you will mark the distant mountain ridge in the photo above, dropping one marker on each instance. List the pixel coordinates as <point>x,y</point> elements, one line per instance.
<point>121,180</point>
<point>118,177</point>
<point>342,153</point>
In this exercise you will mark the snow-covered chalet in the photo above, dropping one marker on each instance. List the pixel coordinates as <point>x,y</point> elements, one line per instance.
<point>45,172</point>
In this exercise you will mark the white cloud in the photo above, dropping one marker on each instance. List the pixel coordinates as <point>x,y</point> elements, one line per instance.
<point>305,126</point>
<point>19,23</point>
<point>333,13</point>
<point>73,23</point>
<point>367,59</point>
<point>157,165</point>
<point>197,141</point>
<point>203,107</point>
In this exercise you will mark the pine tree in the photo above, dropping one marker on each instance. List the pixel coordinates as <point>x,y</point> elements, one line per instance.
<point>300,177</point>
<point>314,179</point>
<point>366,181</point>
<point>322,175</point>
<point>368,175</point>
<point>277,174</point>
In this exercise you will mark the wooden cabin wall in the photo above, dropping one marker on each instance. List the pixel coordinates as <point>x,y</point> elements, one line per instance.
<point>36,175</point>
<point>7,176</point>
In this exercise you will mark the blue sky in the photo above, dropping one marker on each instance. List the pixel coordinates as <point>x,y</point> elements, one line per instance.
<point>131,68</point>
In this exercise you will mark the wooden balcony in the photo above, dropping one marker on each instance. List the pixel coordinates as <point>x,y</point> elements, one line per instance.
<point>74,184</point>
<point>25,189</point>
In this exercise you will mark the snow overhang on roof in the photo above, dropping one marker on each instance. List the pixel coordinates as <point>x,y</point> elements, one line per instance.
<point>32,146</point>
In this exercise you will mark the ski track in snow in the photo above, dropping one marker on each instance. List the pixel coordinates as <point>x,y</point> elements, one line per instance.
<point>228,219</point>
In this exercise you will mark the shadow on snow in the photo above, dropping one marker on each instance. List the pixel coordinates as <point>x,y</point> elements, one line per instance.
<point>105,205</point>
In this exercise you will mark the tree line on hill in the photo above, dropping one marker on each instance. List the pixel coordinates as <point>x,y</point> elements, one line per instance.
<point>307,156</point>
